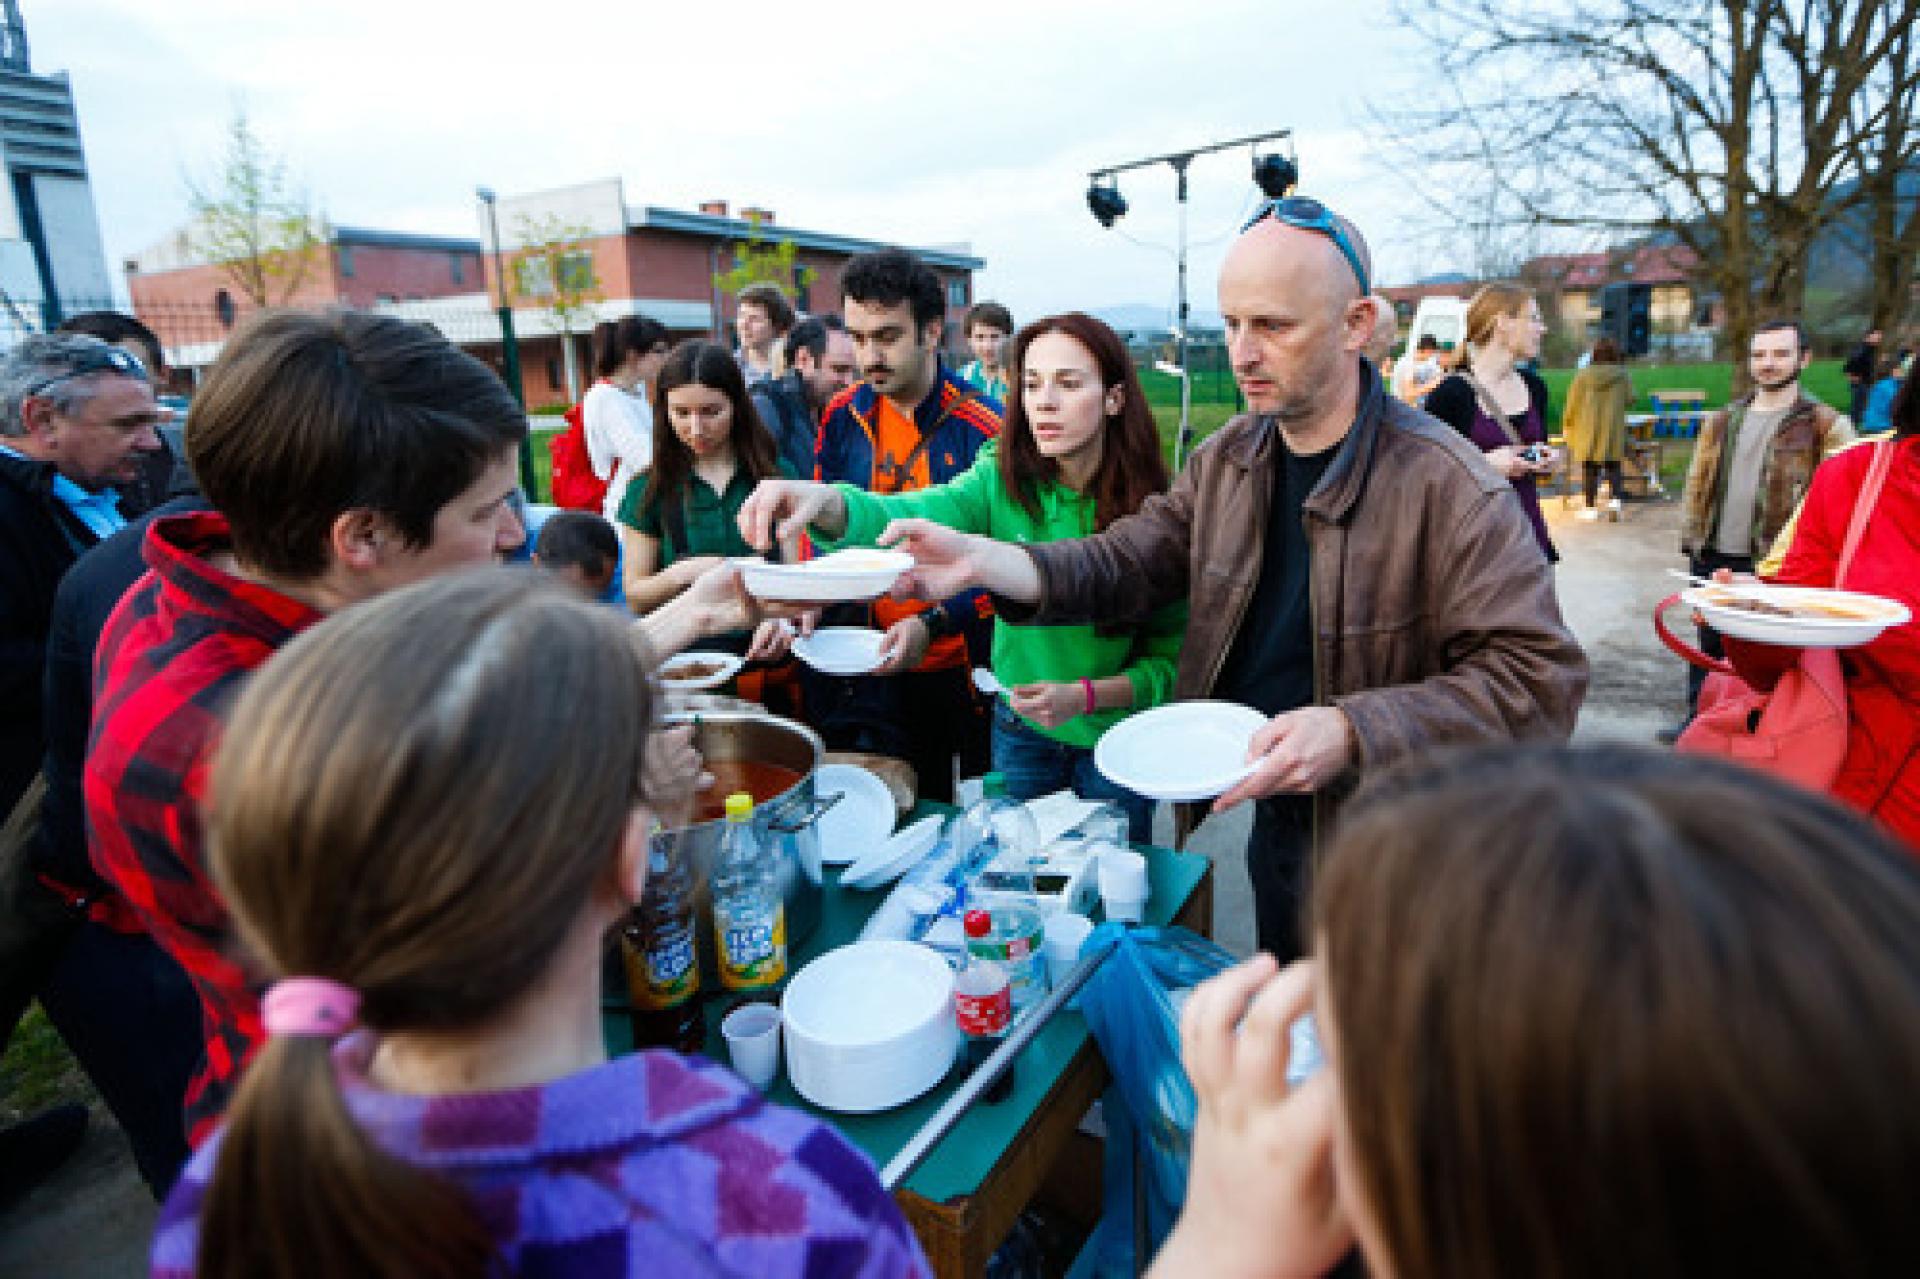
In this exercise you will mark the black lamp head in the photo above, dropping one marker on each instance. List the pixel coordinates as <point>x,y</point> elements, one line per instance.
<point>1106,203</point>
<point>1275,175</point>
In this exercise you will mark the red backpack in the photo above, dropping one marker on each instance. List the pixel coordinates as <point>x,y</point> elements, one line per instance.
<point>575,486</point>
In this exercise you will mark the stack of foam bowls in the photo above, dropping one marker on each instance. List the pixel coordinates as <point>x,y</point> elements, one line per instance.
<point>870,1026</point>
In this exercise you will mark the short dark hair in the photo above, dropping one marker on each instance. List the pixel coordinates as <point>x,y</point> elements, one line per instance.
<point>769,298</point>
<point>579,538</point>
<point>308,415</point>
<point>1906,409</point>
<point>1607,351</point>
<point>615,340</point>
<point>114,328</point>
<point>888,277</point>
<point>1428,342</point>
<point>991,314</point>
<point>1781,324</point>
<point>810,335</point>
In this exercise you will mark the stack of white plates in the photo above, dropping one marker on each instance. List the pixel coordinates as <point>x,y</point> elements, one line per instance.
<point>870,1026</point>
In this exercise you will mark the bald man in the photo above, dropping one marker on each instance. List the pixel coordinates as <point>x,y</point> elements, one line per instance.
<point>1355,570</point>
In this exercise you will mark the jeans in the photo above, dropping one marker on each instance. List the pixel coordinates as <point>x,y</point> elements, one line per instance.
<point>1279,865</point>
<point>1702,564</point>
<point>131,1017</point>
<point>1035,765</point>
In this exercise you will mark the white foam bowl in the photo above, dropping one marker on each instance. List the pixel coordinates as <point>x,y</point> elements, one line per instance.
<point>1874,614</point>
<point>870,1026</point>
<point>843,575</point>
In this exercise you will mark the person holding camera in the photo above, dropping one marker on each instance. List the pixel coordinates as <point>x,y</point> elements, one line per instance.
<point>1498,404</point>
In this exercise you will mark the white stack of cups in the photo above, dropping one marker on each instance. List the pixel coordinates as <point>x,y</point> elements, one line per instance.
<point>1123,885</point>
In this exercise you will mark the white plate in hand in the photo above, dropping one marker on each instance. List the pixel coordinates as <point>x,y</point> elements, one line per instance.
<point>900,854</point>
<point>840,650</point>
<point>860,822</point>
<point>1822,618</point>
<point>1185,751</point>
<point>842,576</point>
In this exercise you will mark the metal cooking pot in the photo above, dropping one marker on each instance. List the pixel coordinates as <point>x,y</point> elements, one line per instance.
<point>785,822</point>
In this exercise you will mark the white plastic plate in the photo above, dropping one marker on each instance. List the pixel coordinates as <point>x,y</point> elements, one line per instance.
<point>728,665</point>
<point>841,576</point>
<point>896,856</point>
<point>1854,619</point>
<point>860,822</point>
<point>1185,751</point>
<point>840,650</point>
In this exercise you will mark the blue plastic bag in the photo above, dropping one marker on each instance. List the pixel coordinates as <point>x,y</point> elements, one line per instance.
<point>1150,1105</point>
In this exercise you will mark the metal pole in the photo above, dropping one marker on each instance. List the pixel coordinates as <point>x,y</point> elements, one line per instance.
<point>509,345</point>
<point>1184,440</point>
<point>915,1152</point>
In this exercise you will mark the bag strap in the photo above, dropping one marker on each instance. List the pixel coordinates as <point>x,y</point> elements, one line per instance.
<point>1687,652</point>
<point>1492,410</point>
<point>1863,508</point>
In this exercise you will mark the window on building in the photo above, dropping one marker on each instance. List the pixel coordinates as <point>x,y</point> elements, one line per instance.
<point>576,271</point>
<point>223,308</point>
<point>346,262</point>
<point>556,375</point>
<point>533,277</point>
<point>957,292</point>
<point>457,266</point>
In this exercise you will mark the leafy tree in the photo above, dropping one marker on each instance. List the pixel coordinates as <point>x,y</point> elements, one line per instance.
<point>254,223</point>
<point>758,260</point>
<point>553,268</point>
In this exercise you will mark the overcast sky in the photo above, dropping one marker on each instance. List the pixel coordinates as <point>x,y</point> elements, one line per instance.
<point>917,123</point>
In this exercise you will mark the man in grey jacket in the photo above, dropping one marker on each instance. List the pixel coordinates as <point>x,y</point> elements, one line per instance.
<point>1354,568</point>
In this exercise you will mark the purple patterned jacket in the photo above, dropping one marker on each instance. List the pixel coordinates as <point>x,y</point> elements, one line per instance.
<point>652,1164</point>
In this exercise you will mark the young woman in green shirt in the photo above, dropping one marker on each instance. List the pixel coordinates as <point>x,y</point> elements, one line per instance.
<point>709,450</point>
<point>1080,450</point>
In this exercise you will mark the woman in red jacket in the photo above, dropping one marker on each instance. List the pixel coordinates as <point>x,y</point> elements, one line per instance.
<point>1881,774</point>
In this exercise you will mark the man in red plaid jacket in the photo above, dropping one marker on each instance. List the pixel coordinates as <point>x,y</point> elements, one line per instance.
<point>345,455</point>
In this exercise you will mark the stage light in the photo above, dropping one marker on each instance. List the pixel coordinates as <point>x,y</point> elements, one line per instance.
<point>1106,203</point>
<point>1275,175</point>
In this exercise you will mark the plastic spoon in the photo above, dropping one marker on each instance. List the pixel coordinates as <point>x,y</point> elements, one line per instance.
<point>983,679</point>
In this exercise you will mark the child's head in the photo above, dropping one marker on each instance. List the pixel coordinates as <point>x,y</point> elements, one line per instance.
<point>1611,1012</point>
<point>989,325</point>
<point>581,549</point>
<point>425,799</point>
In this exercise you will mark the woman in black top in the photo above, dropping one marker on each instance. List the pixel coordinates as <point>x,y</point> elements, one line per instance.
<point>1503,328</point>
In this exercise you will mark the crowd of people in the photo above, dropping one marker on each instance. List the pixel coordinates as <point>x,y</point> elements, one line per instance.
<point>320,817</point>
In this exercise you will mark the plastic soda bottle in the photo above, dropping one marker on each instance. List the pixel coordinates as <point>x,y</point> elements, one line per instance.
<point>749,915</point>
<point>658,947</point>
<point>983,1005</point>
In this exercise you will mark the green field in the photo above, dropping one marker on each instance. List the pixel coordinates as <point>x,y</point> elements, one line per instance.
<point>1215,399</point>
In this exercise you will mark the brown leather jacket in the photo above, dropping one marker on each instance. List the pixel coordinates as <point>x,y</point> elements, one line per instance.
<point>1433,607</point>
<point>1808,433</point>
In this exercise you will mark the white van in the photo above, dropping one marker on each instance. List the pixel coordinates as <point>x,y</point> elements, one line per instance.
<point>1445,318</point>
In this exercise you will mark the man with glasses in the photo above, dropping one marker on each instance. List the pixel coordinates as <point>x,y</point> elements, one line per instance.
<point>76,419</point>
<point>1354,569</point>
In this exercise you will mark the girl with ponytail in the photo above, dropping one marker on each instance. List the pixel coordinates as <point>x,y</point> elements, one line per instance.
<point>427,901</point>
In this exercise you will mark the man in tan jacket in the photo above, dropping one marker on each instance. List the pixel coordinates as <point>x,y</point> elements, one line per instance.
<point>1355,569</point>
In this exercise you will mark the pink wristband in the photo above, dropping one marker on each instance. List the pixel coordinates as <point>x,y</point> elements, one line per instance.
<point>1088,685</point>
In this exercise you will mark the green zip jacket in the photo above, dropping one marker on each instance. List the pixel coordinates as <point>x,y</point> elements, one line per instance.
<point>976,501</point>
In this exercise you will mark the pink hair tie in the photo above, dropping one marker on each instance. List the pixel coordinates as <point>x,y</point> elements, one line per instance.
<point>309,1006</point>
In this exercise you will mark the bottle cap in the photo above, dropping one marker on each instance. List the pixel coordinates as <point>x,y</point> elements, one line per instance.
<point>739,806</point>
<point>977,923</point>
<point>993,785</point>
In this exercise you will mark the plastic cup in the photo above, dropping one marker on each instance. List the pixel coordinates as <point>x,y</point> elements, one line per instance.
<point>1065,934</point>
<point>1123,886</point>
<point>752,1032</point>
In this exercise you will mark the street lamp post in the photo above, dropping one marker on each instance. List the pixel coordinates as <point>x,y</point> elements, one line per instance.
<point>509,345</point>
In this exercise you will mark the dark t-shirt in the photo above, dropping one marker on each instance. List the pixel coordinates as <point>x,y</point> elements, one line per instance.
<point>1270,665</point>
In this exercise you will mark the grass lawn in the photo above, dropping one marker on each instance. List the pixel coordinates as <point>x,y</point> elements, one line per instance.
<point>1215,400</point>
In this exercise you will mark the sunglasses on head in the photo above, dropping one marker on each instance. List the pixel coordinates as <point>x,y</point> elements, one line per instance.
<point>1310,215</point>
<point>110,360</point>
